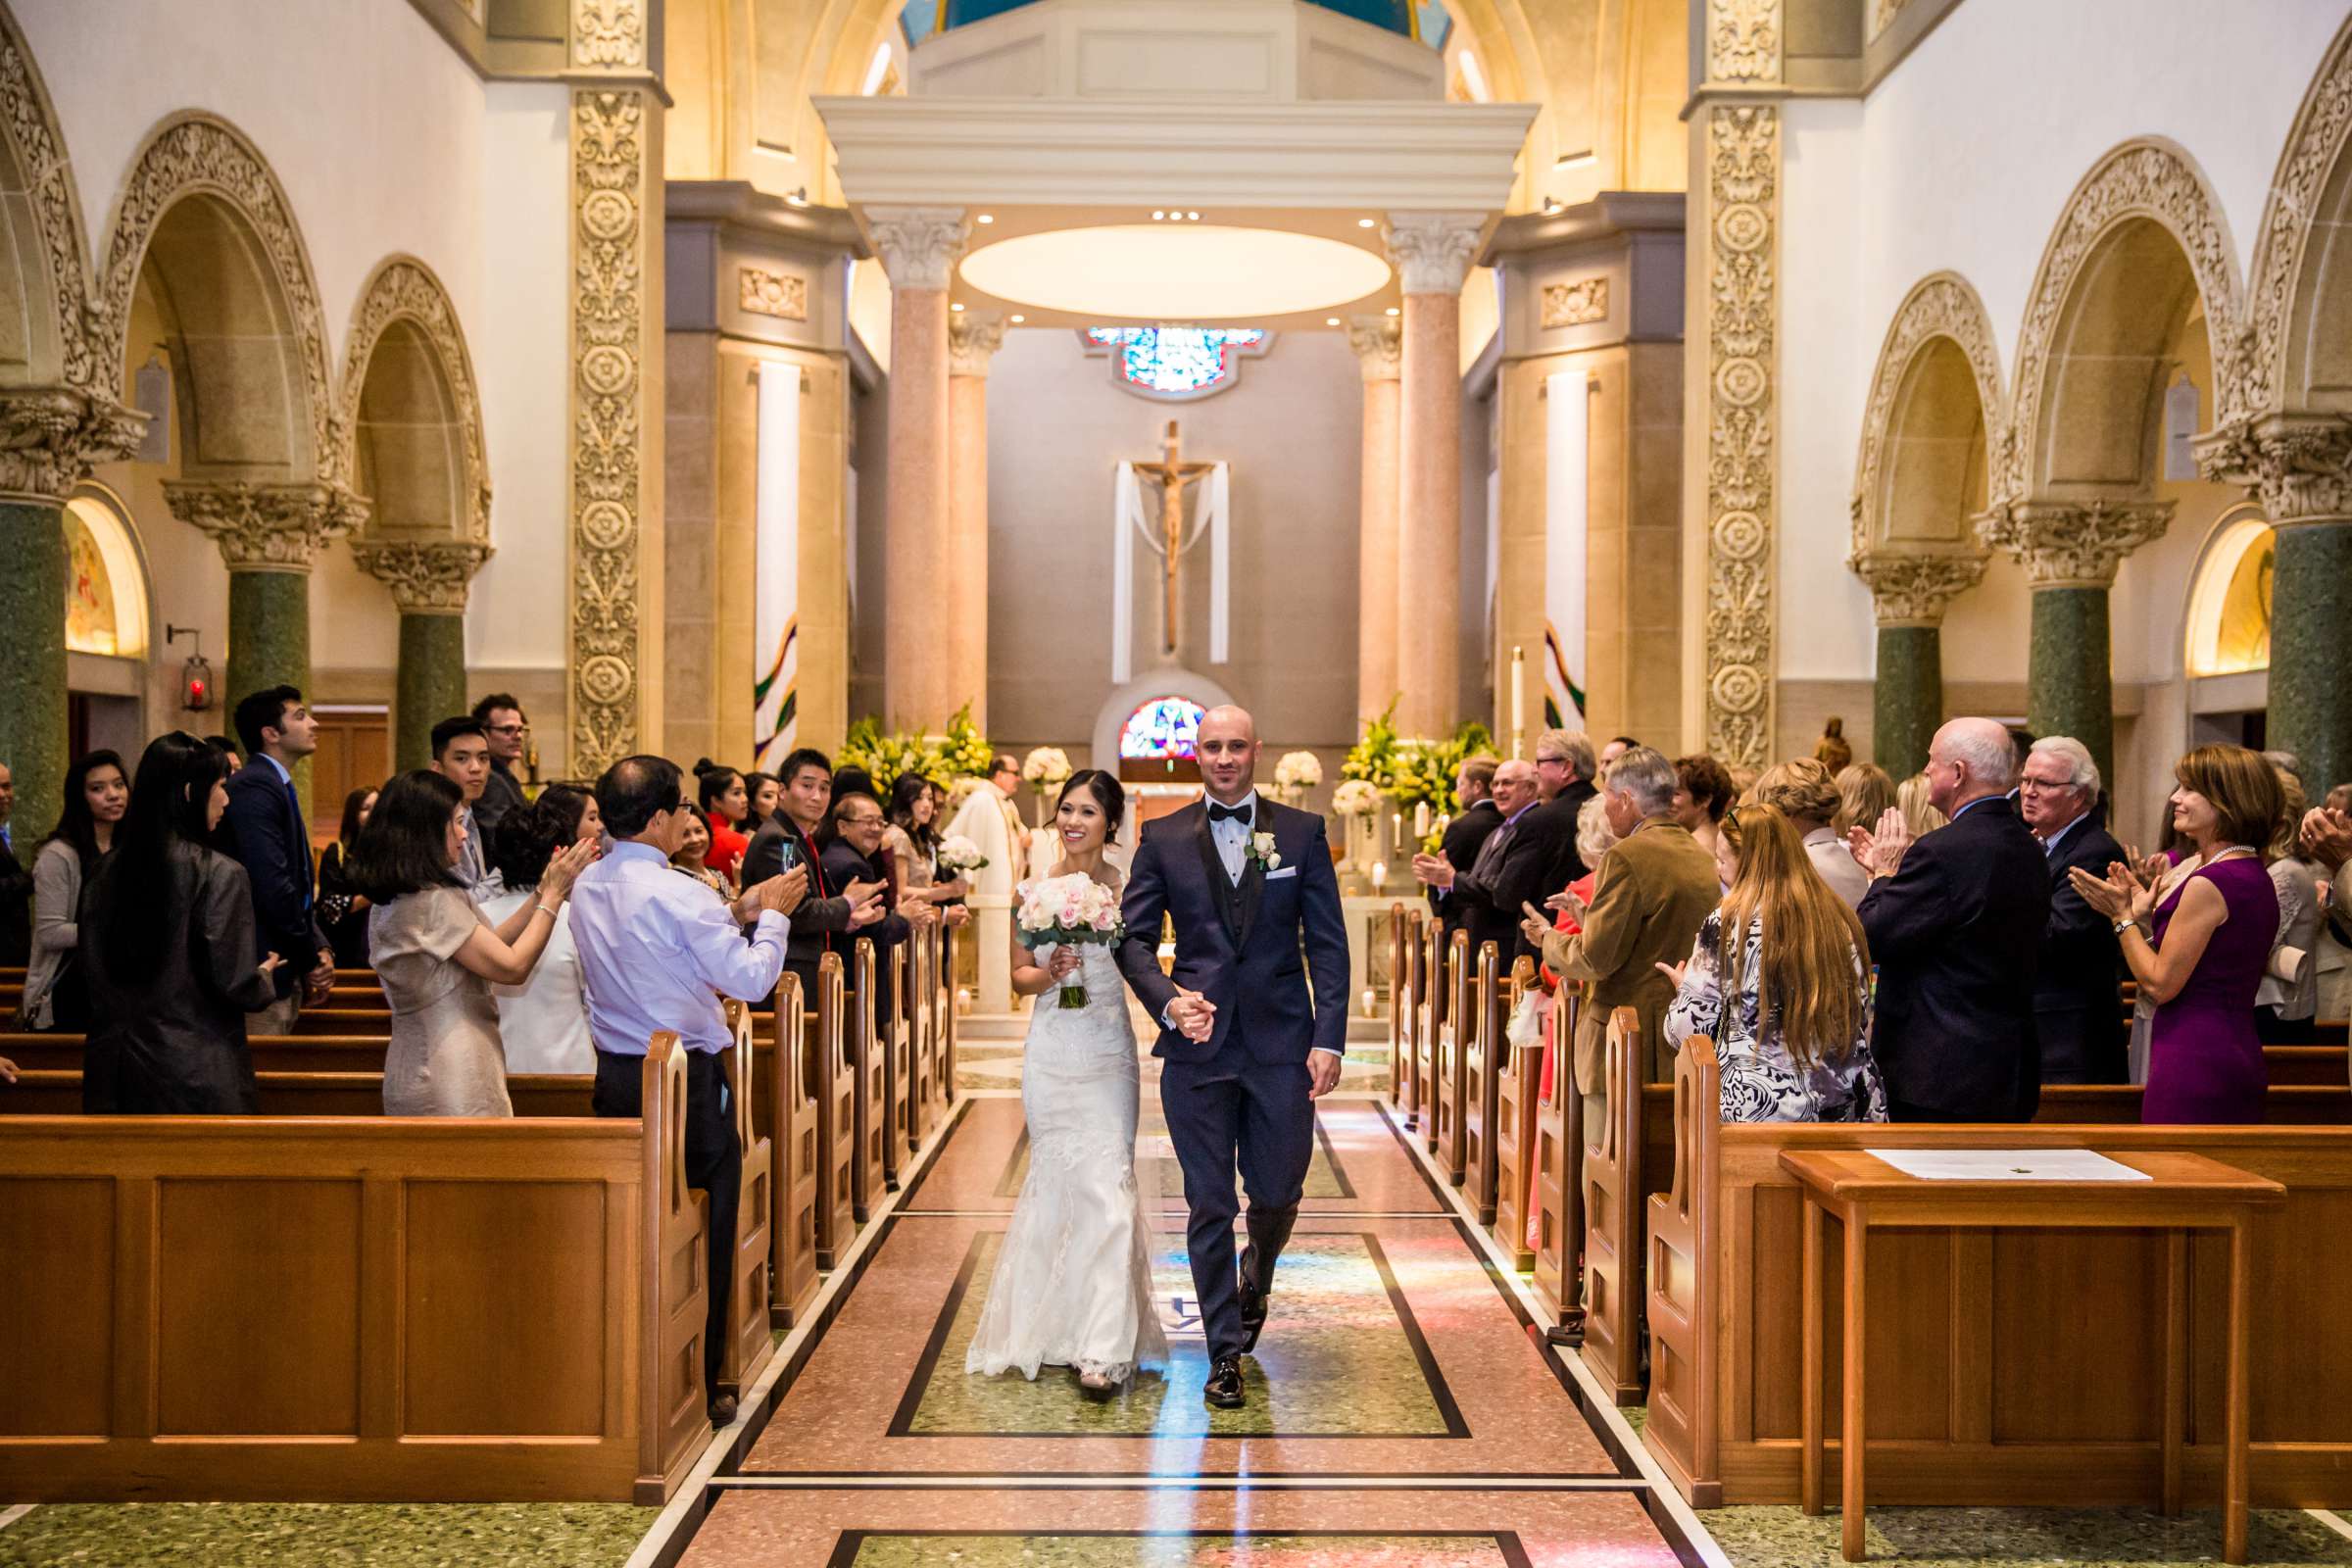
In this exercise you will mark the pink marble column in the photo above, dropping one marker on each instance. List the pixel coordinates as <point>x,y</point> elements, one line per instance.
<point>918,246</point>
<point>1376,339</point>
<point>972,344</point>
<point>1431,252</point>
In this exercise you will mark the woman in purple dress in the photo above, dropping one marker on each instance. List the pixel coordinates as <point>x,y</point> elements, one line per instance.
<point>2201,950</point>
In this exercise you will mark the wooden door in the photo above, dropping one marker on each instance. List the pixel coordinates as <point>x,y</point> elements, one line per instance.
<point>355,751</point>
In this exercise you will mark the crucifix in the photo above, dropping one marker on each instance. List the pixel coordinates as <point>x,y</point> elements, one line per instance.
<point>1173,475</point>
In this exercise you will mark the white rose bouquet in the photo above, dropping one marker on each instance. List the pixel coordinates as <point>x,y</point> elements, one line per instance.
<point>1069,910</point>
<point>959,854</point>
<point>1046,768</point>
<point>1296,773</point>
<point>1355,797</point>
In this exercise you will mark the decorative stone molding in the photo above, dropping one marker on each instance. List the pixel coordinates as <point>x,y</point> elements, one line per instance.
<point>196,154</point>
<point>2298,468</point>
<point>2315,147</point>
<point>1431,252</point>
<point>973,341</point>
<point>782,295</point>
<point>919,245</point>
<point>612,165</point>
<point>1744,40</point>
<point>427,578</point>
<point>40,154</point>
<point>2066,545</point>
<point>1942,305</point>
<point>1914,590</point>
<point>266,527</point>
<point>404,288</point>
<point>1743,164</point>
<point>608,33</point>
<point>1882,16</point>
<point>1379,344</point>
<point>2141,180</point>
<point>1576,304</point>
<point>52,437</point>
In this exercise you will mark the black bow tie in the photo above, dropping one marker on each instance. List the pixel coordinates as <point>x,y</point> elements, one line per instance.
<point>1227,813</point>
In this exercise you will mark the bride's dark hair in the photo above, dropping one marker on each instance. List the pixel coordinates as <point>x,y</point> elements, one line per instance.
<point>1108,791</point>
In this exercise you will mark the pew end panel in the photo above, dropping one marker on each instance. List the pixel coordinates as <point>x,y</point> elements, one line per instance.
<point>750,1341</point>
<point>870,1173</point>
<point>796,1086</point>
<point>1488,1010</point>
<point>1518,1080</point>
<point>840,1093</point>
<point>1614,1219</point>
<point>1559,1201</point>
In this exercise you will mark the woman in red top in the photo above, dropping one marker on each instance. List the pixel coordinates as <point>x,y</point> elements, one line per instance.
<point>726,802</point>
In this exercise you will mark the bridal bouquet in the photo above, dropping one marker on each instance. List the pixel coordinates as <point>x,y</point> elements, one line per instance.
<point>1069,910</point>
<point>959,854</point>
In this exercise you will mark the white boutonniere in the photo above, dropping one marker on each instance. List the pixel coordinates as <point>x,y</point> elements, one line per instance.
<point>1262,851</point>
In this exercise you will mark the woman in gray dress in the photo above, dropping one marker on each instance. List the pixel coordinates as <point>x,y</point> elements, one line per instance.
<point>438,956</point>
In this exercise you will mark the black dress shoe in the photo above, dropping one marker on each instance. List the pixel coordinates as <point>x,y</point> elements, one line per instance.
<point>1253,1304</point>
<point>722,1410</point>
<point>1223,1388</point>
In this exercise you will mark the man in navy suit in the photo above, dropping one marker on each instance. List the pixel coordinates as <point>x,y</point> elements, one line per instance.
<point>1253,1019</point>
<point>2077,1012</point>
<point>263,831</point>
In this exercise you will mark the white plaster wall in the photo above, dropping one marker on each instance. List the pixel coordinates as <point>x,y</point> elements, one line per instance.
<point>515,618</point>
<point>1963,159</point>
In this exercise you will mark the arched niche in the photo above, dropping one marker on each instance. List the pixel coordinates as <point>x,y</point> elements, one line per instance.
<point>2227,624</point>
<point>108,594</point>
<point>2139,249</point>
<point>1934,409</point>
<point>412,412</point>
<point>2299,329</point>
<point>205,237</point>
<point>43,266</point>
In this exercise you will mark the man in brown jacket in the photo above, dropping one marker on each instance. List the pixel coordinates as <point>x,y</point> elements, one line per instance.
<point>1652,892</point>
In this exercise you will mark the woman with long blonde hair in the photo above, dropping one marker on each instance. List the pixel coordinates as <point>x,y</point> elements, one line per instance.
<point>1780,980</point>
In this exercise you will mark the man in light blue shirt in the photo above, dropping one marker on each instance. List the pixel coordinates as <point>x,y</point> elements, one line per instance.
<point>658,951</point>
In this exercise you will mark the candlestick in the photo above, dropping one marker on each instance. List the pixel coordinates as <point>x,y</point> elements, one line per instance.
<point>1367,1002</point>
<point>1380,876</point>
<point>1518,697</point>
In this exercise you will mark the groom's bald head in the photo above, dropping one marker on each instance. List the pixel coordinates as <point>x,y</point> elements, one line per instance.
<point>1228,721</point>
<point>1226,746</point>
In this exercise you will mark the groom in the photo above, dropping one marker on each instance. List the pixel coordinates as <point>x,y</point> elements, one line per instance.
<point>1245,1050</point>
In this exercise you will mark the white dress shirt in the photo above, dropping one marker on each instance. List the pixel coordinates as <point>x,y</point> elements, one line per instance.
<point>1232,837</point>
<point>657,951</point>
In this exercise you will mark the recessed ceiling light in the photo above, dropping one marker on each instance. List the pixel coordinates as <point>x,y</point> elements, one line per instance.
<point>1193,217</point>
<point>988,218</point>
<point>1331,320</point>
<point>1363,223</point>
<point>1159,215</point>
<point>1393,311</point>
<point>1019,320</point>
<point>1198,271</point>
<point>955,306</point>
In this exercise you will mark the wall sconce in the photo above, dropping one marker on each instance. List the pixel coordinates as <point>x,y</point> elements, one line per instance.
<point>195,676</point>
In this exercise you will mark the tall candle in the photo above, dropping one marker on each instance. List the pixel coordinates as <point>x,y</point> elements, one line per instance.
<point>1380,876</point>
<point>1396,829</point>
<point>1420,820</point>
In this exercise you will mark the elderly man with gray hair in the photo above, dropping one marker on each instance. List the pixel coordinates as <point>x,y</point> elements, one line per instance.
<point>2077,1014</point>
<point>1955,921</point>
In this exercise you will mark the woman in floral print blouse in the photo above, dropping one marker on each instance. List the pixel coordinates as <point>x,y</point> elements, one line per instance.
<point>1789,1003</point>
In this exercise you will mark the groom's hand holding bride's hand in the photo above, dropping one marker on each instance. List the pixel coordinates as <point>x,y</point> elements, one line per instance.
<point>1192,1015</point>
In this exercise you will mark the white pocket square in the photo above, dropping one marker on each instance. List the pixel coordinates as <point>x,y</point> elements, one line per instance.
<point>1276,876</point>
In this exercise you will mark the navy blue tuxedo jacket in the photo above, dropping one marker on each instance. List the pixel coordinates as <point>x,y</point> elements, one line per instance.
<point>1274,962</point>
<point>261,832</point>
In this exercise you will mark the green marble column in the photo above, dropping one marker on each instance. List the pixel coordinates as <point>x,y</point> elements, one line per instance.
<point>432,684</point>
<point>269,632</point>
<point>2311,700</point>
<point>32,642</point>
<point>1907,698</point>
<point>2070,686</point>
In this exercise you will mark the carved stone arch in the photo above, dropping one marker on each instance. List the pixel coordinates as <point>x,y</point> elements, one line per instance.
<point>198,187</point>
<point>2297,340</point>
<point>425,384</point>
<point>44,269</point>
<point>2137,190</point>
<point>1942,317</point>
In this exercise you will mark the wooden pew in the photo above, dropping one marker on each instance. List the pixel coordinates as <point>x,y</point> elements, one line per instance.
<point>839,1089</point>
<point>923,1090</point>
<point>751,1340</point>
<point>793,1086</point>
<point>1427,1056</point>
<point>894,1039</point>
<point>1405,983</point>
<point>1400,1066</point>
<point>1481,1081</point>
<point>951,943</point>
<point>1620,1168</point>
<point>869,1172</point>
<point>1518,1079</point>
<point>353,1309</point>
<point>1459,1022</point>
<point>1559,1193</point>
<point>2005,1368</point>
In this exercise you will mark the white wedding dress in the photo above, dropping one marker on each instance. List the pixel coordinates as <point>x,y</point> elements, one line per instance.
<point>1073,1279</point>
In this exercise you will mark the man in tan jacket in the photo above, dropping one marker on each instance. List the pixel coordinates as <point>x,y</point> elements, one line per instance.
<point>1653,890</point>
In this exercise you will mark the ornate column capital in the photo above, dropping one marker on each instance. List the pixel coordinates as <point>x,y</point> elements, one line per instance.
<point>1744,40</point>
<point>51,437</point>
<point>1379,344</point>
<point>1914,590</point>
<point>972,341</point>
<point>2297,465</point>
<point>919,245</point>
<point>266,527</point>
<point>2064,545</point>
<point>427,578</point>
<point>608,33</point>
<point>1431,252</point>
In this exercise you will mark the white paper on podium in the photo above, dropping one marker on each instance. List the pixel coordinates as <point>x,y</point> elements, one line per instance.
<point>2007,1165</point>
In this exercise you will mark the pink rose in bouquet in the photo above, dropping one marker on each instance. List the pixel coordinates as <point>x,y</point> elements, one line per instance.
<point>1069,911</point>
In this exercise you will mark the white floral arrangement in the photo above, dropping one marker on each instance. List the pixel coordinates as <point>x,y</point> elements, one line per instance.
<point>959,854</point>
<point>1296,773</point>
<point>1069,910</point>
<point>1046,768</point>
<point>1355,797</point>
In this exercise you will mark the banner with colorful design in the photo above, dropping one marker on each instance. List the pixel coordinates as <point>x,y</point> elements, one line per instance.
<point>776,565</point>
<point>1564,542</point>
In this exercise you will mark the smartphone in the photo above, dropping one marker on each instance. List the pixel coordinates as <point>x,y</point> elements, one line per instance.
<point>790,856</point>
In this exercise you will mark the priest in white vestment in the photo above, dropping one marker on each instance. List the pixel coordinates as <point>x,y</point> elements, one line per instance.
<point>993,823</point>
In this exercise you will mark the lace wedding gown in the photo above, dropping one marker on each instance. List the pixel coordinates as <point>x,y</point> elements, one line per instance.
<point>1073,1279</point>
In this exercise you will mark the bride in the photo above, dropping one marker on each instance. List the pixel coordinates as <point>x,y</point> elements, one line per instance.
<point>1073,1279</point>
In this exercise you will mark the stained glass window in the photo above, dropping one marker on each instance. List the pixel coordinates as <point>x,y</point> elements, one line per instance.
<point>1177,361</point>
<point>1163,727</point>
